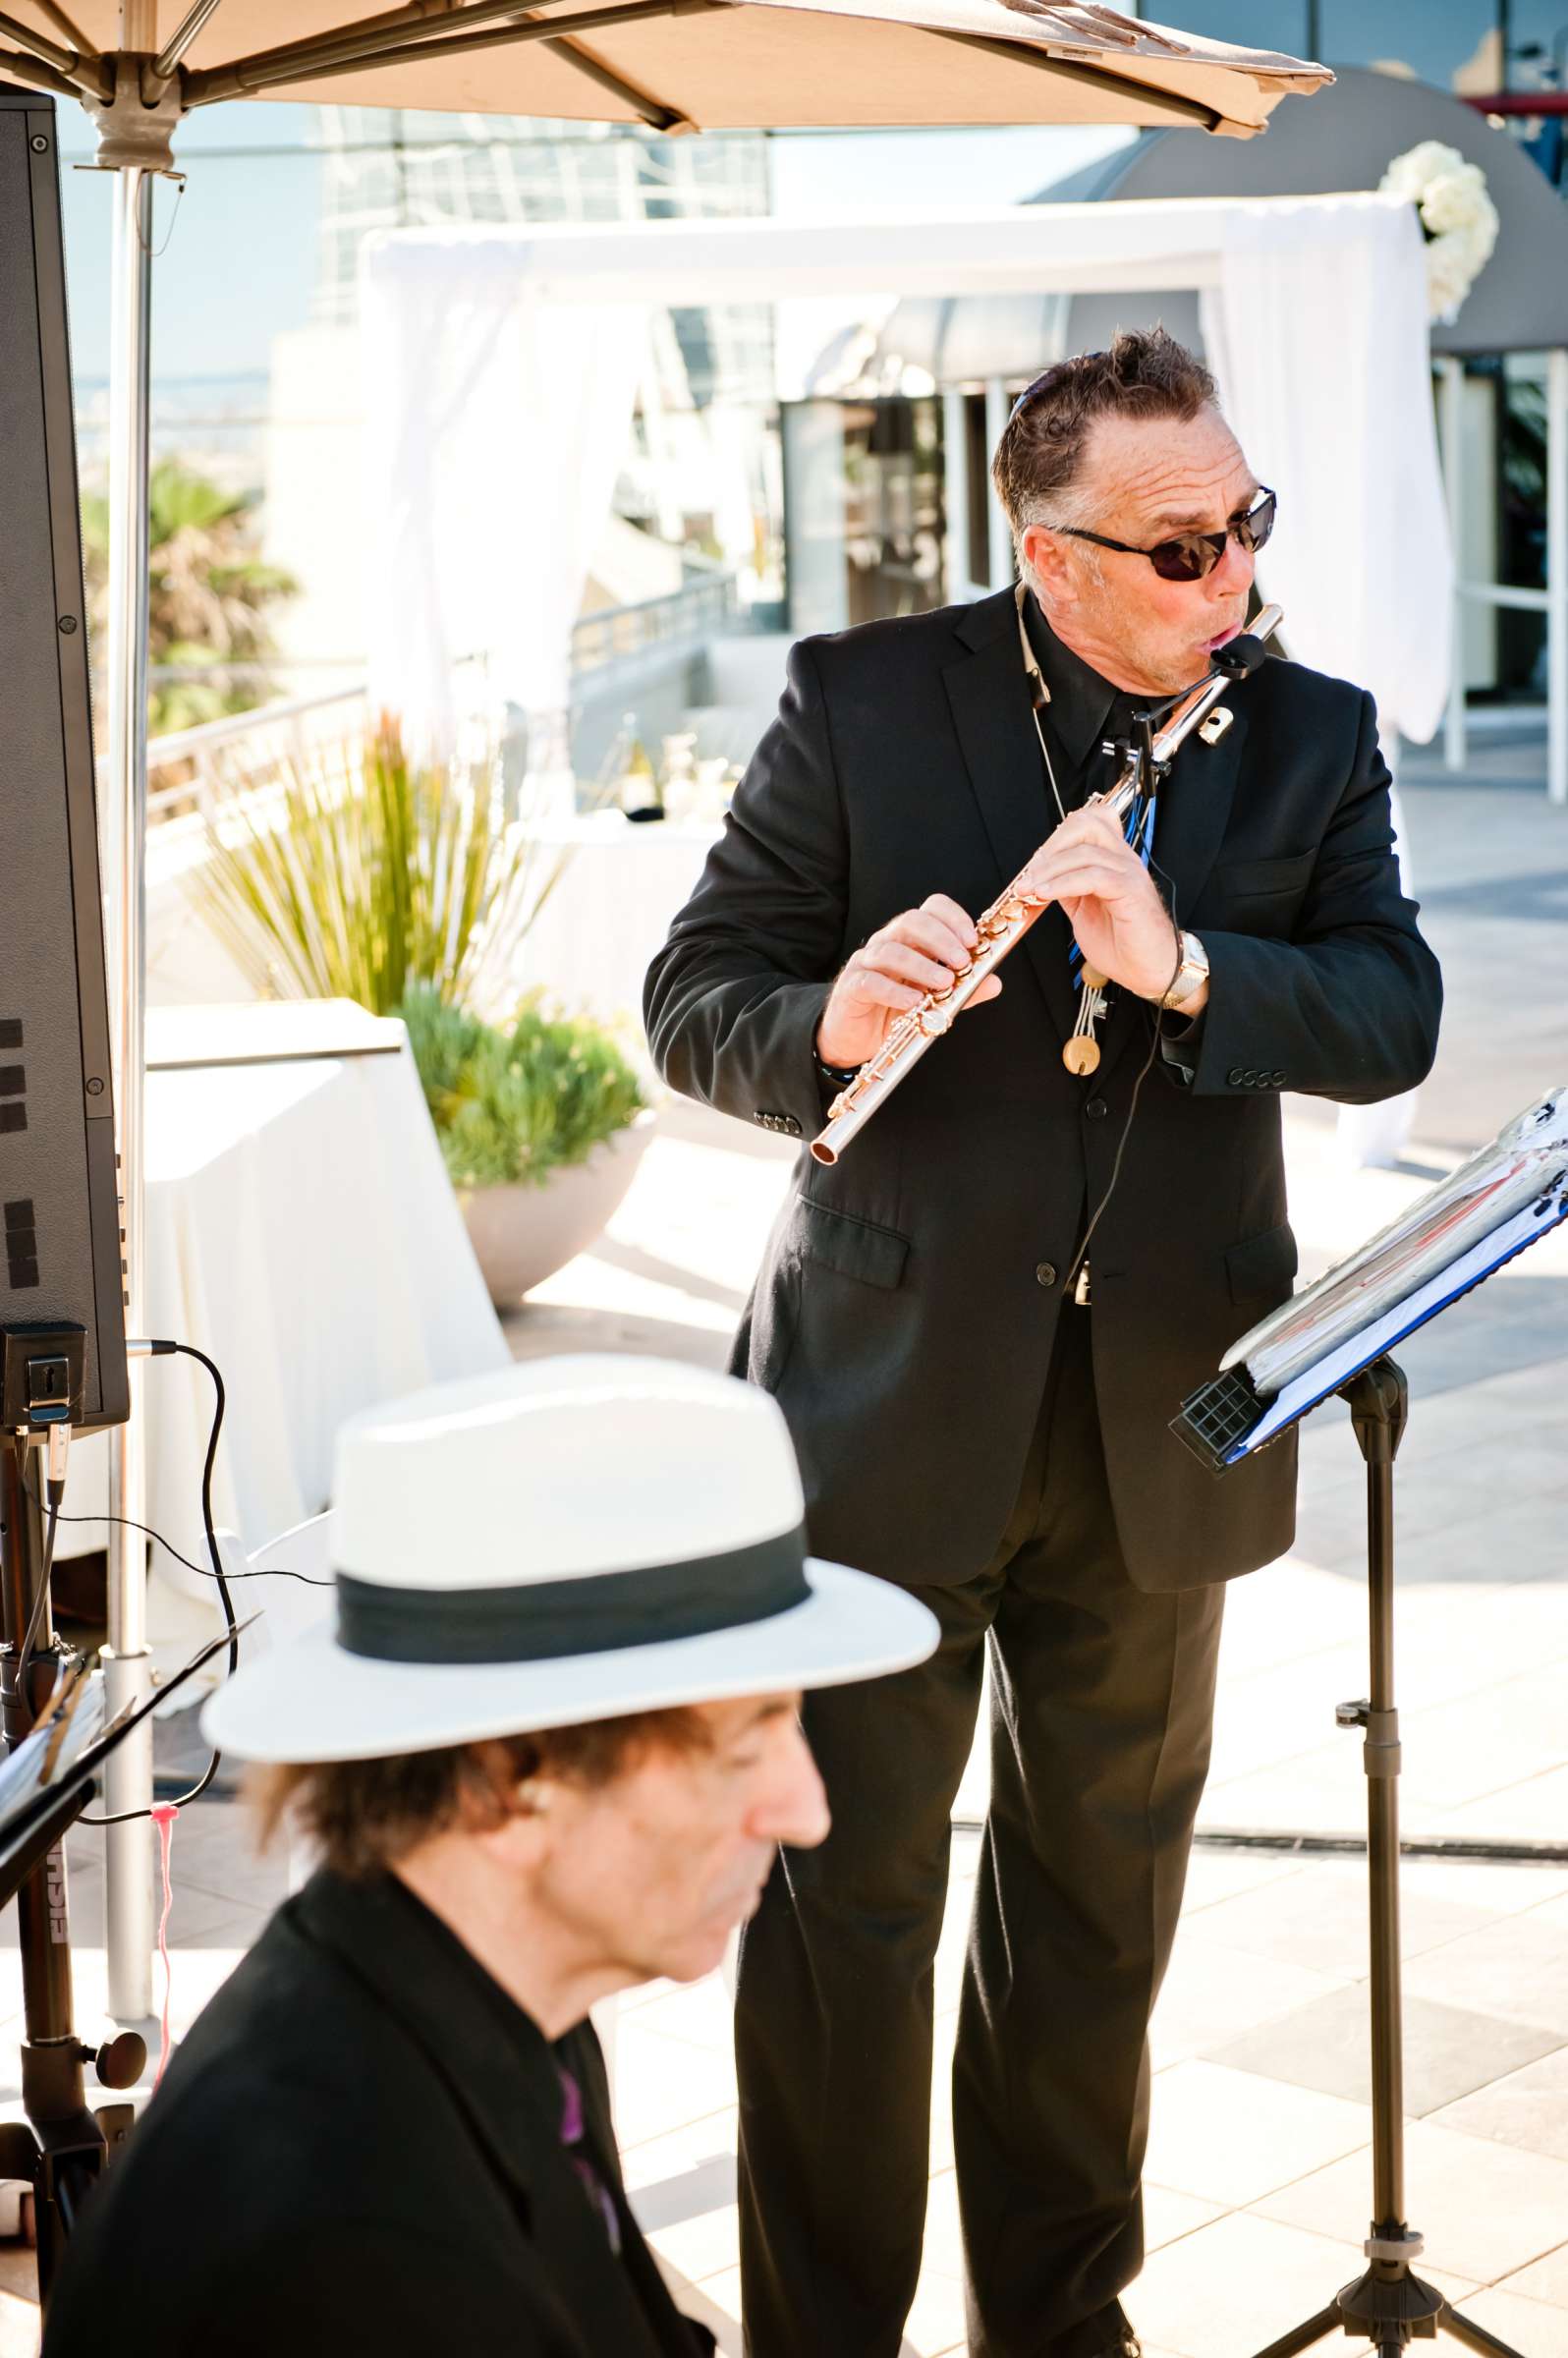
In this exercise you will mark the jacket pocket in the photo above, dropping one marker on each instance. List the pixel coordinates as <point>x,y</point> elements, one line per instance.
<point>1242,878</point>
<point>1262,1265</point>
<point>856,1247</point>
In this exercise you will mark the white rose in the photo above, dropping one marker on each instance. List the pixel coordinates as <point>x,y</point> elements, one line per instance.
<point>1437,157</point>
<point>1415,170</point>
<point>1455,199</point>
<point>1400,181</point>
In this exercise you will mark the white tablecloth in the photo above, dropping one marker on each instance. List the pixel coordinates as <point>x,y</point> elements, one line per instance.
<point>300,1230</point>
<point>592,943</point>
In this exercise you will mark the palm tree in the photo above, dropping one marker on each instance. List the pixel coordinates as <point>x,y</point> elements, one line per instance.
<point>209,592</point>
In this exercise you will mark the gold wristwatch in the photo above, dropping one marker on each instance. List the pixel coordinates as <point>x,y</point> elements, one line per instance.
<point>1193,971</point>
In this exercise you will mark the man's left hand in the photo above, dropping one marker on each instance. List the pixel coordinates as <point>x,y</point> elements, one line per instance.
<point>1110,900</point>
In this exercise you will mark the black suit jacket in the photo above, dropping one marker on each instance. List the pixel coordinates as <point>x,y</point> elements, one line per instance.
<point>357,2149</point>
<point>907,1302</point>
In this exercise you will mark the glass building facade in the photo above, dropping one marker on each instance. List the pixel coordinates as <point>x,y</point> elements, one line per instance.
<point>1472,48</point>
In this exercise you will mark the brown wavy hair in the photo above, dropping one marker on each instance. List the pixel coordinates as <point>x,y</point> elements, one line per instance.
<point>1145,374</point>
<point>363,1816</point>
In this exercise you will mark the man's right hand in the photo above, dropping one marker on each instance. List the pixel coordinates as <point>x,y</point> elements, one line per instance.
<point>911,954</point>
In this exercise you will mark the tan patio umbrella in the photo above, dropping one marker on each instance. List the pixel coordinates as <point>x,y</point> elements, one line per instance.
<point>670,65</point>
<point>675,65</point>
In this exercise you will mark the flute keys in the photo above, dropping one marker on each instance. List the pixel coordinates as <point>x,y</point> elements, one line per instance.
<point>1081,1054</point>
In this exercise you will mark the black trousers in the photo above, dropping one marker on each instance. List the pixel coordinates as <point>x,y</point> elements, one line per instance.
<point>1102,1714</point>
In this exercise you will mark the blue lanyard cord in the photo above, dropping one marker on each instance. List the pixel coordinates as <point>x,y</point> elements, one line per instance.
<point>1139,831</point>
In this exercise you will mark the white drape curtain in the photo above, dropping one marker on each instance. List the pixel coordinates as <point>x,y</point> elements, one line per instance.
<point>1317,334</point>
<point>497,424</point>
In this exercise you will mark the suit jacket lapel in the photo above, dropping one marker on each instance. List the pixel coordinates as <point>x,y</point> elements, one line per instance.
<point>989,699</point>
<point>1190,822</point>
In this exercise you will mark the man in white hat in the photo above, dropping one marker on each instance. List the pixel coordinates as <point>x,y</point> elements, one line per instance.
<point>547,1749</point>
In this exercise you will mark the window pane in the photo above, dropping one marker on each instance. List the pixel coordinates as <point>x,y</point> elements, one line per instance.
<point>1454,43</point>
<point>1537,45</point>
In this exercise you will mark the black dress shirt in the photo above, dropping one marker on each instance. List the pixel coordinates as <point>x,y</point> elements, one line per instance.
<point>1086,712</point>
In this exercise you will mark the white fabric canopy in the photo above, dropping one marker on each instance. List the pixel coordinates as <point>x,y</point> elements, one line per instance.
<point>496,426</point>
<point>501,365</point>
<point>1316,331</point>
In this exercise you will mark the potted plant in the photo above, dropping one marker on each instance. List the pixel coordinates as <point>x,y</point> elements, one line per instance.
<point>543,1123</point>
<point>352,871</point>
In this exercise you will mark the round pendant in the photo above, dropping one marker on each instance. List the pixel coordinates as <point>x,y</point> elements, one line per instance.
<point>1094,980</point>
<point>1081,1054</point>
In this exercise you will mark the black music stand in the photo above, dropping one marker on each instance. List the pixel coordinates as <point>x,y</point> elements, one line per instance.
<point>1389,2304</point>
<point>1337,1337</point>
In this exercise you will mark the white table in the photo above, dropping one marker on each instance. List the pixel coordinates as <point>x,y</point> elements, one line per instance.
<point>592,943</point>
<point>300,1230</point>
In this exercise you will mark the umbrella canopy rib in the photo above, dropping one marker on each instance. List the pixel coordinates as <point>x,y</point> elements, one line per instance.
<point>1103,79</point>
<point>68,62</point>
<point>653,111</point>
<point>63,24</point>
<point>179,41</point>
<point>250,76</point>
<point>34,75</point>
<point>373,40</point>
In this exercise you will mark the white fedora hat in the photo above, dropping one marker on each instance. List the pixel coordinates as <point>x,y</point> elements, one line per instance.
<point>569,1540</point>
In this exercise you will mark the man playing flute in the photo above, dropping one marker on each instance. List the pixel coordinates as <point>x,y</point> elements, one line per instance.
<point>981,1411</point>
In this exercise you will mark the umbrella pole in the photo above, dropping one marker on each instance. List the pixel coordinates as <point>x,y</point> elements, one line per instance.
<point>127,1665</point>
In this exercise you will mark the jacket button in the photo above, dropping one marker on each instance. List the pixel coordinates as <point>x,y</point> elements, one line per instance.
<point>1234,1075</point>
<point>790,1125</point>
<point>1249,1079</point>
<point>1045,1272</point>
<point>1097,1109</point>
<point>1279,1079</point>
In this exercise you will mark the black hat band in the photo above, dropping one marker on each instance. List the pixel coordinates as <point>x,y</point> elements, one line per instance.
<point>544,1620</point>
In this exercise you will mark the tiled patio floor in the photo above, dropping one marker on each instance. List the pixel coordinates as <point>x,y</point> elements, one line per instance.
<point>1258,2168</point>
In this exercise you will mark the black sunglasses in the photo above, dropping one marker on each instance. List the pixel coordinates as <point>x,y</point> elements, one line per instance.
<point>1189,556</point>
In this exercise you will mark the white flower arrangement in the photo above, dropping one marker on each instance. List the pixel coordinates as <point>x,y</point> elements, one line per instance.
<point>1458,217</point>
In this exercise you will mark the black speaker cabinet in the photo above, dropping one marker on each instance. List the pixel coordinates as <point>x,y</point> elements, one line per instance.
<point>59,1222</point>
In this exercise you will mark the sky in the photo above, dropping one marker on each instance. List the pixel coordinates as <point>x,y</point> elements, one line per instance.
<point>236,252</point>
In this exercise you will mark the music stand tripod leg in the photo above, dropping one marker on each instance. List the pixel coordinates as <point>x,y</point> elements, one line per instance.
<point>1390,2305</point>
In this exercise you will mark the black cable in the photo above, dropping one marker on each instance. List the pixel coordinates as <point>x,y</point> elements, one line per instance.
<point>1235,674</point>
<point>35,1617</point>
<point>203,1571</point>
<point>1082,1254</point>
<point>161,1350</point>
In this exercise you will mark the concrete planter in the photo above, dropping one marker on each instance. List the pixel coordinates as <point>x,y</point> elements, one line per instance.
<point>524,1234</point>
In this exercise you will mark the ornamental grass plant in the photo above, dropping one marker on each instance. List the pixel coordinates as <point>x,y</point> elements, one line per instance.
<point>351,870</point>
<point>512,1104</point>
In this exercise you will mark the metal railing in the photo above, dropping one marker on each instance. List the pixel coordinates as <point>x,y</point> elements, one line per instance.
<point>695,611</point>
<point>699,609</point>
<point>291,713</point>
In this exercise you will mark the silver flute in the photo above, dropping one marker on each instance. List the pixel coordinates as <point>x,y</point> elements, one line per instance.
<point>1005,922</point>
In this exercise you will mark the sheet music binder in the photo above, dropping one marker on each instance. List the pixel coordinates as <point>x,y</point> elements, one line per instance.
<point>1493,1207</point>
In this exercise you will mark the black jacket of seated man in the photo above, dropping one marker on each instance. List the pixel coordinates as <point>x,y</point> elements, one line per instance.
<point>358,2148</point>
<point>908,1300</point>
